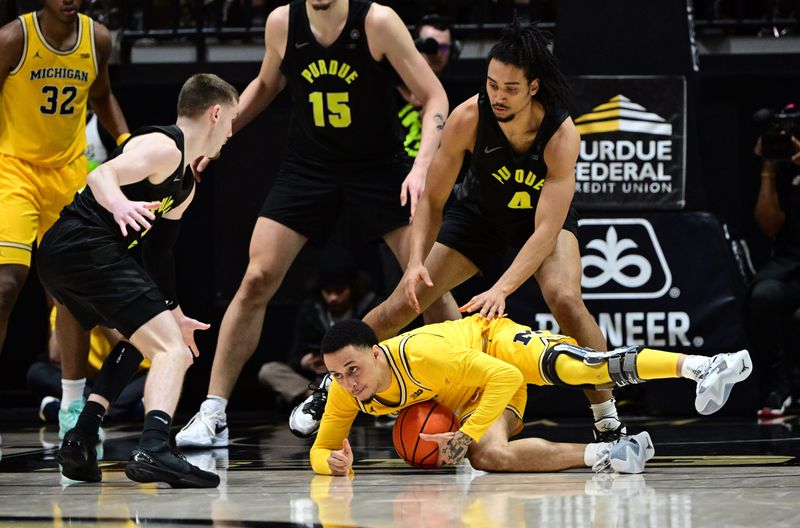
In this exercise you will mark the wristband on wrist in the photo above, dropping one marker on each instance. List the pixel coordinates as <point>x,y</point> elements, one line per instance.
<point>122,137</point>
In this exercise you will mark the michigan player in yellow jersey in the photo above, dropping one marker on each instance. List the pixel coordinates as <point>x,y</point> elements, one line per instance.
<point>480,369</point>
<point>52,62</point>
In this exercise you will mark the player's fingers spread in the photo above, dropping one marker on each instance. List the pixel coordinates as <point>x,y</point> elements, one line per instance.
<point>132,222</point>
<point>141,220</point>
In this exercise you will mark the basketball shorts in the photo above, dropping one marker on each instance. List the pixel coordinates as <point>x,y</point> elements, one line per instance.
<point>91,273</point>
<point>31,198</point>
<point>309,198</point>
<point>481,240</point>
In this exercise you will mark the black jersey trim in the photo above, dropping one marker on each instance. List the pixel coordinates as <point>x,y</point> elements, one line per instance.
<point>404,361</point>
<point>396,370</point>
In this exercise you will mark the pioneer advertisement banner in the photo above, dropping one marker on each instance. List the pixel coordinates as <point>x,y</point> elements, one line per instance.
<point>662,279</point>
<point>633,142</point>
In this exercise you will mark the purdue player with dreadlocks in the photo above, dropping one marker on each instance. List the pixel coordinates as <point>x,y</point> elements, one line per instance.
<point>518,193</point>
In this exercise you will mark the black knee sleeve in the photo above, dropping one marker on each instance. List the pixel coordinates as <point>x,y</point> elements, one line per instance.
<point>118,369</point>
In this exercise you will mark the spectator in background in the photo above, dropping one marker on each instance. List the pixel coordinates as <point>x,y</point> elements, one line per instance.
<point>774,310</point>
<point>434,38</point>
<point>44,376</point>
<point>339,292</point>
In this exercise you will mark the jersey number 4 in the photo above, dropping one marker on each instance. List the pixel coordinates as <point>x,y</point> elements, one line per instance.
<point>51,105</point>
<point>338,111</point>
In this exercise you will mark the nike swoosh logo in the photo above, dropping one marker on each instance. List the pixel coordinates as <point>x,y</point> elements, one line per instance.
<point>299,45</point>
<point>219,428</point>
<point>160,419</point>
<point>488,150</point>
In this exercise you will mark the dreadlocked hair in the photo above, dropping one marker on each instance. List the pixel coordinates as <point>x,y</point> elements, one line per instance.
<point>525,46</point>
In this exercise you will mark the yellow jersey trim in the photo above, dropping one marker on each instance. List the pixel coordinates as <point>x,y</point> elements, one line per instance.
<point>24,46</point>
<point>47,45</point>
<point>94,46</point>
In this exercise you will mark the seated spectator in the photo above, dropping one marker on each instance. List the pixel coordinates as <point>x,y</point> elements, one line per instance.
<point>44,377</point>
<point>339,292</point>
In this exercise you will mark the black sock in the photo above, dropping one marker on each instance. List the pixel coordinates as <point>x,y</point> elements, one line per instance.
<point>155,435</point>
<point>90,419</point>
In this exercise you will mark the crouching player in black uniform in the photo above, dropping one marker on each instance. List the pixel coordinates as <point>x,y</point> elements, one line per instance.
<point>137,196</point>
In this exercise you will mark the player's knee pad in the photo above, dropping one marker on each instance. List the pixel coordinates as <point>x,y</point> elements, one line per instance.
<point>621,363</point>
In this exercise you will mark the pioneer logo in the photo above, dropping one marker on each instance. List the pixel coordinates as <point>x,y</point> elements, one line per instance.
<point>622,259</point>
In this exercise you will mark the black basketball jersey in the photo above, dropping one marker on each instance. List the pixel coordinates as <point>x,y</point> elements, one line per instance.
<point>342,99</point>
<point>501,185</point>
<point>171,192</point>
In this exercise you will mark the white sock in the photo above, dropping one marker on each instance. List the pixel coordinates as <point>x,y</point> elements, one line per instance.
<point>691,364</point>
<point>590,454</point>
<point>607,409</point>
<point>214,403</point>
<point>71,390</point>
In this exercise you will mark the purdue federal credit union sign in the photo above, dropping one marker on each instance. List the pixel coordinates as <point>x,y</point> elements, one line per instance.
<point>633,142</point>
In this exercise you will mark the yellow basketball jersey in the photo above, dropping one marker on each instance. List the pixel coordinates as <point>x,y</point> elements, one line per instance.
<point>43,100</point>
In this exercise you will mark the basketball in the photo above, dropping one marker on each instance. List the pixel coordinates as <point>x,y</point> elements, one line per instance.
<point>426,417</point>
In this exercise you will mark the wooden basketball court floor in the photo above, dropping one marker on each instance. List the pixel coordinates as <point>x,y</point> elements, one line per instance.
<point>707,472</point>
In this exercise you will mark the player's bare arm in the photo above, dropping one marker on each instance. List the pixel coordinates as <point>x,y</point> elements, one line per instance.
<point>560,155</point>
<point>458,137</point>
<point>768,213</point>
<point>388,37</point>
<point>270,81</point>
<point>12,41</point>
<point>104,103</point>
<point>151,156</point>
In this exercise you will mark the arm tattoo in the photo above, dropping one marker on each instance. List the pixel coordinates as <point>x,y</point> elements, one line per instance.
<point>456,449</point>
<point>439,120</point>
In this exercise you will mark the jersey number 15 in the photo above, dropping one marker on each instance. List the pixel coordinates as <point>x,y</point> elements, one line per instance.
<point>338,111</point>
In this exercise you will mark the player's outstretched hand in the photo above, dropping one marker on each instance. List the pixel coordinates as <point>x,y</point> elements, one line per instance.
<point>341,461</point>
<point>412,189</point>
<point>188,326</point>
<point>134,214</point>
<point>452,446</point>
<point>415,273</point>
<point>198,166</point>
<point>491,303</point>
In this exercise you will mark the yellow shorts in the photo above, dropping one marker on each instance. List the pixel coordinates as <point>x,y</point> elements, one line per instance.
<point>31,198</point>
<point>516,406</point>
<point>517,345</point>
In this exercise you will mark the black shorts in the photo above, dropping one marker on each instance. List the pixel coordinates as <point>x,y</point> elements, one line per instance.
<point>481,240</point>
<point>91,273</point>
<point>309,198</point>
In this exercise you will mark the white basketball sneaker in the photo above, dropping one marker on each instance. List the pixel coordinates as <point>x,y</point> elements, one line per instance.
<point>627,455</point>
<point>717,376</point>
<point>205,429</point>
<point>305,418</point>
